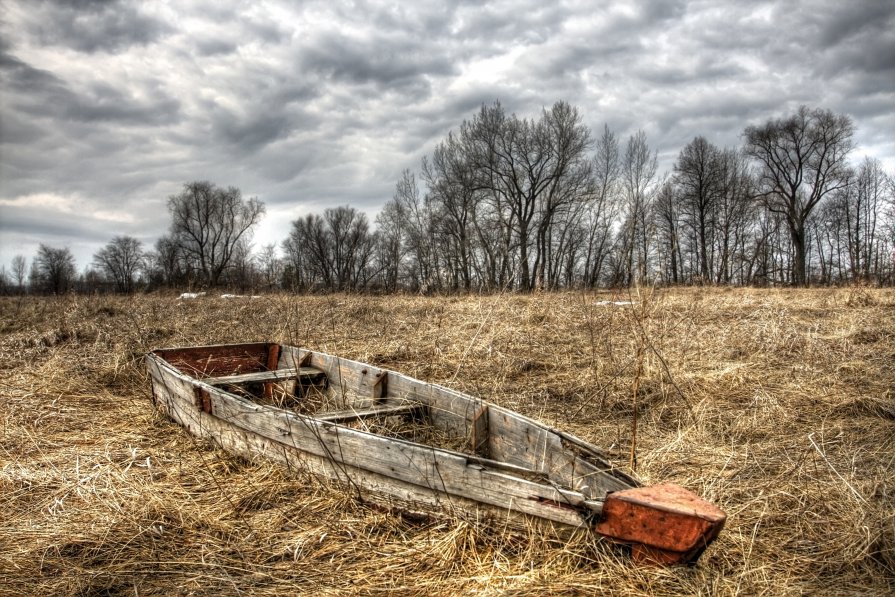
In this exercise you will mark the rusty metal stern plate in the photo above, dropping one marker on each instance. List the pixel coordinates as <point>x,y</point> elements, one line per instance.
<point>667,521</point>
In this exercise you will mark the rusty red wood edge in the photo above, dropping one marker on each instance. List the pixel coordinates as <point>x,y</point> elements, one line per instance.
<point>273,357</point>
<point>664,524</point>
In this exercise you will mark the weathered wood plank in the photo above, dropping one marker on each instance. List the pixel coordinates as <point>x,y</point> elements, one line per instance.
<point>478,439</point>
<point>299,386</point>
<point>449,410</point>
<point>388,410</point>
<point>212,360</point>
<point>516,440</point>
<point>360,384</point>
<point>308,373</point>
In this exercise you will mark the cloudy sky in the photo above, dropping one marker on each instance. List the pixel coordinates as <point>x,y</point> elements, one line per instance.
<point>108,107</point>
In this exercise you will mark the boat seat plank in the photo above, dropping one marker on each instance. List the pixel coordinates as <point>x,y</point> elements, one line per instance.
<point>304,373</point>
<point>343,416</point>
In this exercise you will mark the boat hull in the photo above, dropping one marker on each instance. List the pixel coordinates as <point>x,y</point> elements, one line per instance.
<point>501,464</point>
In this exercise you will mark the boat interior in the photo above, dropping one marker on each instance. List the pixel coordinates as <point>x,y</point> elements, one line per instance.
<point>357,395</point>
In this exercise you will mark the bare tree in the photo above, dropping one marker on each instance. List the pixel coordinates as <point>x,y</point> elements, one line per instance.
<point>638,171</point>
<point>53,270</point>
<point>167,265</point>
<point>208,223</point>
<point>570,179</point>
<point>390,246</point>
<point>829,228</point>
<point>602,209</point>
<point>90,281</point>
<point>419,225</point>
<point>890,230</point>
<point>530,171</point>
<point>241,273</point>
<point>338,249</point>
<point>19,269</point>
<point>495,219</point>
<point>698,176</point>
<point>294,263</point>
<point>308,251</point>
<point>120,261</point>
<point>668,228</point>
<point>270,265</point>
<point>863,207</point>
<point>351,246</point>
<point>850,228</point>
<point>802,159</point>
<point>453,191</point>
<point>766,251</point>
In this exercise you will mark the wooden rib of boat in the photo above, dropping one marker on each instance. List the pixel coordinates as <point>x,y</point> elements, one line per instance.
<point>391,435</point>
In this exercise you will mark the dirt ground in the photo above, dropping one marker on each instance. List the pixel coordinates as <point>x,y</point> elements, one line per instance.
<point>776,405</point>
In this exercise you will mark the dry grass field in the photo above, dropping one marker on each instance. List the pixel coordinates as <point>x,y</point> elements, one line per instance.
<point>776,405</point>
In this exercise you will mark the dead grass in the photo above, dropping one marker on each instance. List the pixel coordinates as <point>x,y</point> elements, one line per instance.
<point>778,405</point>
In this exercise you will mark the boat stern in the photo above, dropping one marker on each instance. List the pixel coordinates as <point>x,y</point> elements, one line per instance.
<point>664,524</point>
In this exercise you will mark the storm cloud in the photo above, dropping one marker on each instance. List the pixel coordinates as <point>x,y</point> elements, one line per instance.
<point>108,107</point>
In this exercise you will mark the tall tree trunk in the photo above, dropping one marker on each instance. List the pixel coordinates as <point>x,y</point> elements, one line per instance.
<point>800,254</point>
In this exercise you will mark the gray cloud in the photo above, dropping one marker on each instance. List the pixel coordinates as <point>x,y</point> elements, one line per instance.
<point>32,222</point>
<point>93,26</point>
<point>22,78</point>
<point>856,20</point>
<point>108,107</point>
<point>380,59</point>
<point>214,46</point>
<point>253,132</point>
<point>41,94</point>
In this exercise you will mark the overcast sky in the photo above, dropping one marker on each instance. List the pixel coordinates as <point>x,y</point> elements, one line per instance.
<point>109,107</point>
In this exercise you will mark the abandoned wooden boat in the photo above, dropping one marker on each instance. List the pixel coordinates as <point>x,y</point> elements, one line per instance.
<point>391,435</point>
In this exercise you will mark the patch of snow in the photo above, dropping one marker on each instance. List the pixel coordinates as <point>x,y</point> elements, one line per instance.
<point>190,295</point>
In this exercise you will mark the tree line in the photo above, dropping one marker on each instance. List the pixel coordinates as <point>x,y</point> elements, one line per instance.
<point>506,202</point>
